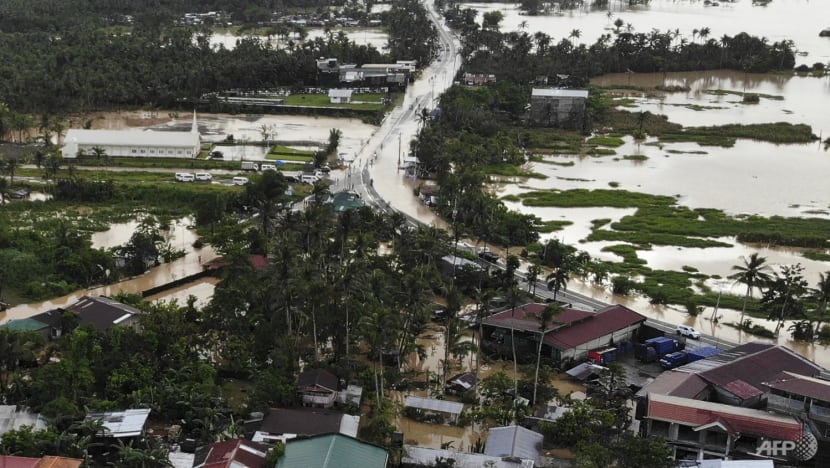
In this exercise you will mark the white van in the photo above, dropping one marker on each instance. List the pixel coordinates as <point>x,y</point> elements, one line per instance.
<point>204,176</point>
<point>267,167</point>
<point>185,177</point>
<point>240,180</point>
<point>309,179</point>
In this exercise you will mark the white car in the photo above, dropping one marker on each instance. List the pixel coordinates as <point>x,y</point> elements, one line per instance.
<point>240,180</point>
<point>204,176</point>
<point>185,177</point>
<point>688,332</point>
<point>267,167</point>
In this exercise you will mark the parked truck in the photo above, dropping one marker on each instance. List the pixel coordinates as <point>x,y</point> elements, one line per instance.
<point>603,356</point>
<point>250,166</point>
<point>702,353</point>
<point>672,360</point>
<point>654,348</point>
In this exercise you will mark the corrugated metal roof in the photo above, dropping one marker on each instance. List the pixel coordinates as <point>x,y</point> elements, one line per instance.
<point>742,420</point>
<point>26,324</point>
<point>332,451</point>
<point>127,423</point>
<point>741,389</point>
<point>674,383</point>
<point>795,384</point>
<point>12,418</point>
<point>340,93</point>
<point>424,456</point>
<point>131,138</point>
<point>556,92</point>
<point>431,404</point>
<point>604,322</point>
<point>514,441</point>
<point>236,453</point>
<point>526,318</point>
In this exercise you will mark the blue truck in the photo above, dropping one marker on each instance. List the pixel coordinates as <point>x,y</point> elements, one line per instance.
<point>653,349</point>
<point>679,358</point>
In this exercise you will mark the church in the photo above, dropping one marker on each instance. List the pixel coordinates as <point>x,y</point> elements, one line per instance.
<point>133,143</point>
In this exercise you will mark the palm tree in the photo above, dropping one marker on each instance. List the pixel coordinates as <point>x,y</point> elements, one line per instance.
<point>482,298</point>
<point>575,34</point>
<point>752,273</point>
<point>533,272</point>
<point>822,295</point>
<point>545,318</point>
<point>4,187</point>
<point>558,280</point>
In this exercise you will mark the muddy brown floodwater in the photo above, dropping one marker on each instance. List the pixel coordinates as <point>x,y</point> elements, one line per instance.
<point>179,236</point>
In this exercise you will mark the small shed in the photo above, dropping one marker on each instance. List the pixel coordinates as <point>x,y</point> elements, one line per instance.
<point>340,96</point>
<point>514,441</point>
<point>433,406</point>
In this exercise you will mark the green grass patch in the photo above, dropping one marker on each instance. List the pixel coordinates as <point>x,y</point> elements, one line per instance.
<point>598,223</point>
<point>635,157</point>
<point>368,101</point>
<point>288,157</point>
<point>674,151</point>
<point>727,92</point>
<point>653,238</point>
<point>552,226</point>
<point>627,252</point>
<point>509,170</point>
<point>689,269</point>
<point>583,198</point>
<point>817,255</point>
<point>600,152</point>
<point>613,184</point>
<point>606,141</point>
<point>725,135</point>
<point>282,149</point>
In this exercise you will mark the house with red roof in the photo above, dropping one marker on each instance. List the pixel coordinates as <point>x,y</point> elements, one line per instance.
<point>236,453</point>
<point>568,337</point>
<point>7,461</point>
<point>736,403</point>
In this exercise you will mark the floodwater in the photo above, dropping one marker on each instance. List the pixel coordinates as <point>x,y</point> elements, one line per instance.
<point>361,36</point>
<point>243,127</point>
<point>796,20</point>
<point>178,236</point>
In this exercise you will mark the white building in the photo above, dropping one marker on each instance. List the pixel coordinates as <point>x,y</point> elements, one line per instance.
<point>340,96</point>
<point>134,143</point>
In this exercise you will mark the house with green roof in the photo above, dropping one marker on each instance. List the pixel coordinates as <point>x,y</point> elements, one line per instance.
<point>27,325</point>
<point>332,451</point>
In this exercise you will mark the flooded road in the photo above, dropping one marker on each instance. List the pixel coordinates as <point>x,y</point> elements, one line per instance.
<point>796,20</point>
<point>178,236</point>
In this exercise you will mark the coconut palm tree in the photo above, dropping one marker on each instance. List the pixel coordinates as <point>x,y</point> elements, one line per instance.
<point>545,318</point>
<point>558,280</point>
<point>753,273</point>
<point>533,272</point>
<point>482,298</point>
<point>514,294</point>
<point>822,295</point>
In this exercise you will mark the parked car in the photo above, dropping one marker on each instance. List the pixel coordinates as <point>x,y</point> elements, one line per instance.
<point>204,176</point>
<point>217,155</point>
<point>20,193</point>
<point>688,332</point>
<point>240,180</point>
<point>488,256</point>
<point>267,167</point>
<point>185,177</point>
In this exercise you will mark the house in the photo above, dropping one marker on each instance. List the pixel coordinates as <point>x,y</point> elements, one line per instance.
<point>317,387</point>
<point>332,451</point>
<point>281,424</point>
<point>568,337</point>
<point>28,325</point>
<point>733,403</point>
<point>460,383</point>
<point>432,409</point>
<point>346,201</point>
<point>417,457</point>
<point>7,461</point>
<point>121,424</point>
<point>553,107</point>
<point>479,79</point>
<point>101,313</point>
<point>340,96</point>
<point>236,453</point>
<point>133,143</point>
<point>13,418</point>
<point>514,442</point>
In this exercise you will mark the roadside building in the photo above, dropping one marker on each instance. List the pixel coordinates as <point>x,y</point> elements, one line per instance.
<point>340,96</point>
<point>13,418</point>
<point>133,143</point>
<point>479,79</point>
<point>735,403</point>
<point>568,337</point>
<point>417,457</point>
<point>553,107</point>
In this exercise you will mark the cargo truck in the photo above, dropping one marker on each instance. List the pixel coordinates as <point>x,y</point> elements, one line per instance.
<point>653,349</point>
<point>672,360</point>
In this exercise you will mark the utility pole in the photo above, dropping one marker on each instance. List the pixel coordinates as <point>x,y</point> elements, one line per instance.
<point>399,151</point>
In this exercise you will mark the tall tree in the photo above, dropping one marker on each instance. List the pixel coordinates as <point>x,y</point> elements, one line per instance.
<point>753,272</point>
<point>545,318</point>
